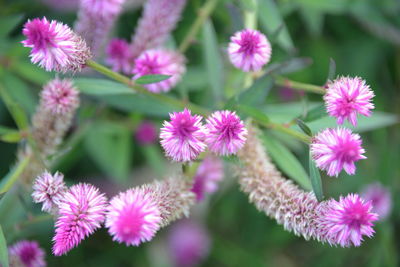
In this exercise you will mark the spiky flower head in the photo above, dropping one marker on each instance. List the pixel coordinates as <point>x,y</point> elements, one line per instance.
<point>160,61</point>
<point>133,217</point>
<point>249,50</point>
<point>27,254</point>
<point>60,96</point>
<point>380,197</point>
<point>337,149</point>
<point>55,46</point>
<point>119,56</point>
<point>346,97</point>
<point>49,190</point>
<point>81,212</point>
<point>146,133</point>
<point>226,133</point>
<point>182,137</point>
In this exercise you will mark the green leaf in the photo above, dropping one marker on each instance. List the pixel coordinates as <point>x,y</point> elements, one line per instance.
<point>15,109</point>
<point>315,178</point>
<point>92,86</point>
<point>289,66</point>
<point>32,73</point>
<point>9,135</point>
<point>258,92</point>
<point>315,113</point>
<point>332,70</point>
<point>12,176</point>
<point>304,127</point>
<point>3,250</point>
<point>155,158</point>
<point>286,161</point>
<point>153,78</point>
<point>8,23</point>
<point>254,113</point>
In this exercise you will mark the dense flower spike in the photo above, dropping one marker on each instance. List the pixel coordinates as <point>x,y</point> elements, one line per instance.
<point>337,149</point>
<point>26,254</point>
<point>133,217</point>
<point>182,137</point>
<point>380,197</point>
<point>160,61</point>
<point>146,133</point>
<point>119,56</point>
<point>209,173</point>
<point>348,220</point>
<point>55,46</point>
<point>158,20</point>
<point>49,190</point>
<point>81,212</point>
<point>249,50</point>
<point>226,133</point>
<point>60,96</point>
<point>346,97</point>
<point>188,243</point>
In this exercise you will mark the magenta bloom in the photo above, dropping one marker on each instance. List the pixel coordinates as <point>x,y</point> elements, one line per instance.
<point>160,61</point>
<point>189,243</point>
<point>337,149</point>
<point>146,133</point>
<point>182,137</point>
<point>346,97</point>
<point>226,133</point>
<point>348,220</point>
<point>249,50</point>
<point>380,198</point>
<point>133,217</point>
<point>49,190</point>
<point>27,254</point>
<point>60,96</point>
<point>209,173</point>
<point>81,212</point>
<point>119,56</point>
<point>55,46</point>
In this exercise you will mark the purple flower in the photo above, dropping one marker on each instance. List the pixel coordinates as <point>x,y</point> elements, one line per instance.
<point>55,46</point>
<point>182,137</point>
<point>346,97</point>
<point>337,149</point>
<point>160,61</point>
<point>189,243</point>
<point>81,212</point>
<point>226,133</point>
<point>380,198</point>
<point>27,254</point>
<point>249,50</point>
<point>119,56</point>
<point>60,96</point>
<point>146,133</point>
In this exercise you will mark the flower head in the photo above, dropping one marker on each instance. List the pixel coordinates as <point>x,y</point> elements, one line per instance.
<point>249,50</point>
<point>160,61</point>
<point>133,217</point>
<point>209,173</point>
<point>337,149</point>
<point>55,46</point>
<point>81,212</point>
<point>146,133</point>
<point>226,133</point>
<point>49,190</point>
<point>380,198</point>
<point>60,96</point>
<point>346,97</point>
<point>102,8</point>
<point>182,137</point>
<point>119,56</point>
<point>346,221</point>
<point>27,254</point>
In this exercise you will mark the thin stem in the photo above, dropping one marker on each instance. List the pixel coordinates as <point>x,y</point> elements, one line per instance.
<point>282,81</point>
<point>284,129</point>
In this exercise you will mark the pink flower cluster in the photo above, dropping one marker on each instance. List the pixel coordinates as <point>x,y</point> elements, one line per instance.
<point>26,254</point>
<point>184,137</point>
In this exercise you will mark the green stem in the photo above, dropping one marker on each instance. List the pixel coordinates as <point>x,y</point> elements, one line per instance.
<point>204,13</point>
<point>282,128</point>
<point>282,81</point>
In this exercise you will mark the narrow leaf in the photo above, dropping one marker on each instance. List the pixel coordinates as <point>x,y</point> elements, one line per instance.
<point>15,110</point>
<point>258,92</point>
<point>332,70</point>
<point>315,113</point>
<point>3,250</point>
<point>153,78</point>
<point>304,127</point>
<point>255,113</point>
<point>315,178</point>
<point>101,87</point>
<point>13,175</point>
<point>8,23</point>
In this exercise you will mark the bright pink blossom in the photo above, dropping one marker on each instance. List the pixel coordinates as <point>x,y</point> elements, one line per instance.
<point>119,56</point>
<point>182,137</point>
<point>27,254</point>
<point>60,96</point>
<point>337,149</point>
<point>81,212</point>
<point>49,190</point>
<point>249,50</point>
<point>346,97</point>
<point>133,217</point>
<point>146,133</point>
<point>380,197</point>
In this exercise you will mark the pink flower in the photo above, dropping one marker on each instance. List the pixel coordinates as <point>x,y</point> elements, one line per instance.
<point>346,97</point>
<point>81,212</point>
<point>226,133</point>
<point>189,243</point>
<point>249,50</point>
<point>209,173</point>
<point>160,61</point>
<point>146,133</point>
<point>27,254</point>
<point>182,137</point>
<point>337,149</point>
<point>102,8</point>
<point>49,190</point>
<point>119,56</point>
<point>346,221</point>
<point>55,46</point>
<point>133,217</point>
<point>380,198</point>
<point>60,96</point>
